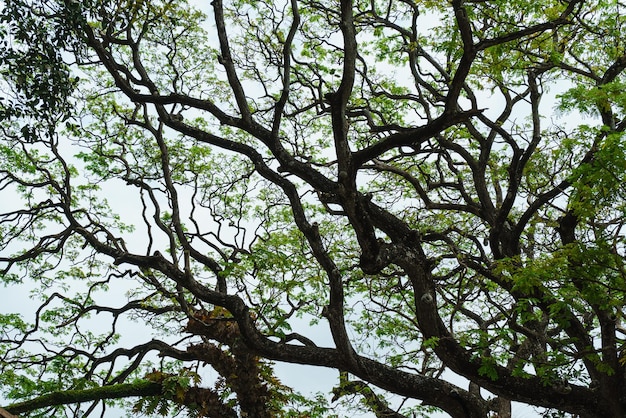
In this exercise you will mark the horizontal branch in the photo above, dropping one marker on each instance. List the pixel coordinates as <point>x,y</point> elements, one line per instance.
<point>126,390</point>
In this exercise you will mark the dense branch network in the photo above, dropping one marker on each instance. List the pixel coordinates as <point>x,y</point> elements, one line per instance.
<point>349,163</point>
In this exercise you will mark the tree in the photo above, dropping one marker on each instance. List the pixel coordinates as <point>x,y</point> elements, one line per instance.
<point>437,184</point>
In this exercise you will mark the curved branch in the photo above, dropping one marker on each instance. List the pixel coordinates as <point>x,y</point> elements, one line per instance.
<point>227,61</point>
<point>125,390</point>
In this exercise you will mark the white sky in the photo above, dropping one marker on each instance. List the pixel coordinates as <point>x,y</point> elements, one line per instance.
<point>305,379</point>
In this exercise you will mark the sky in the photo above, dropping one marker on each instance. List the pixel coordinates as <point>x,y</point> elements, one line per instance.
<point>305,379</point>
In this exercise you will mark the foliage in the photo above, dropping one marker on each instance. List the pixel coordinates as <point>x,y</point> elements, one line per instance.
<point>189,195</point>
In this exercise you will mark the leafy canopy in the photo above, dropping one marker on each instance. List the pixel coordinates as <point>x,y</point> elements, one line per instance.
<point>403,191</point>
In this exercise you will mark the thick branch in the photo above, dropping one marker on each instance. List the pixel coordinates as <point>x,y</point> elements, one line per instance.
<point>126,390</point>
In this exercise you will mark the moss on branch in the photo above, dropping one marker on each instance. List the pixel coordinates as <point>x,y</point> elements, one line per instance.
<point>125,390</point>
